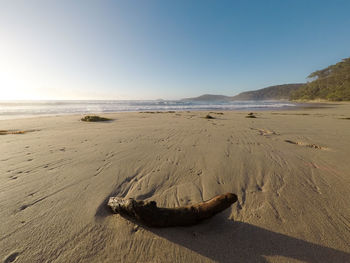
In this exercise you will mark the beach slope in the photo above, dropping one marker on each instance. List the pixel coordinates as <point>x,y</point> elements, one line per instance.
<point>289,169</point>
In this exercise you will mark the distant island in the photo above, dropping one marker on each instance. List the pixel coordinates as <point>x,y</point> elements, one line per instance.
<point>209,97</point>
<point>331,84</point>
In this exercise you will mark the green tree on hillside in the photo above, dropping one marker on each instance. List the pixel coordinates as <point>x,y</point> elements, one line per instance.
<point>331,83</point>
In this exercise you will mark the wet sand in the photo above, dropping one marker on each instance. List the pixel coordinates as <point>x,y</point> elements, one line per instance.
<point>290,170</point>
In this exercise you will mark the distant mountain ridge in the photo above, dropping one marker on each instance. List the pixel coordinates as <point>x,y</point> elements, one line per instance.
<point>331,83</point>
<point>278,92</point>
<point>209,97</point>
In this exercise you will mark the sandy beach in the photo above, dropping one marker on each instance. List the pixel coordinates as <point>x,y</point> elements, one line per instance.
<point>289,169</point>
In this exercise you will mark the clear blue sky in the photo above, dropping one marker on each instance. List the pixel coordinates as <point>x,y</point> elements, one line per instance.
<point>164,49</point>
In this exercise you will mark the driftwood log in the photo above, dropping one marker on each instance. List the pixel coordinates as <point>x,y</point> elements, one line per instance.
<point>149,214</point>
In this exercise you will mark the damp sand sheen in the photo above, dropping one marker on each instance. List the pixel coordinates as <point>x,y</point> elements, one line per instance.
<point>289,169</point>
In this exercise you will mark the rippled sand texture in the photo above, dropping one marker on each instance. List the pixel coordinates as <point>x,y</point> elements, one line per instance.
<point>290,170</point>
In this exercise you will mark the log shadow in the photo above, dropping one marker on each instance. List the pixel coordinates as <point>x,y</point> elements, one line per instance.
<point>224,240</point>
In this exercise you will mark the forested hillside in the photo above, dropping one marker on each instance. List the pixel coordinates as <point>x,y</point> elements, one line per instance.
<point>270,93</point>
<point>331,83</point>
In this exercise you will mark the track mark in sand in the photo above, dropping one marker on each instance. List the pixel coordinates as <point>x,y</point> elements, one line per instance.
<point>314,146</point>
<point>313,165</point>
<point>275,212</point>
<point>146,195</point>
<point>258,188</point>
<point>124,187</point>
<point>326,168</point>
<point>106,163</point>
<point>25,206</point>
<point>196,172</point>
<point>241,204</point>
<point>11,258</point>
<point>101,168</point>
<point>265,132</point>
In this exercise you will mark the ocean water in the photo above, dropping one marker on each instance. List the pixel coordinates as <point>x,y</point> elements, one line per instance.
<point>23,109</point>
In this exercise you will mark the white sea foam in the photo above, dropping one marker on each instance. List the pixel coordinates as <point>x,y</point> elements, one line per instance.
<point>20,109</point>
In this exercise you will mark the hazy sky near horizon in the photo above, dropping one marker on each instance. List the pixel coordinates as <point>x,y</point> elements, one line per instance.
<point>148,49</point>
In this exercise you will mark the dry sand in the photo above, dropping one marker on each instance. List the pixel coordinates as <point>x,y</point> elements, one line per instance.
<point>290,170</point>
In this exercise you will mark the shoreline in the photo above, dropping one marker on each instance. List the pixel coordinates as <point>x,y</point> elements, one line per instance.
<point>300,105</point>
